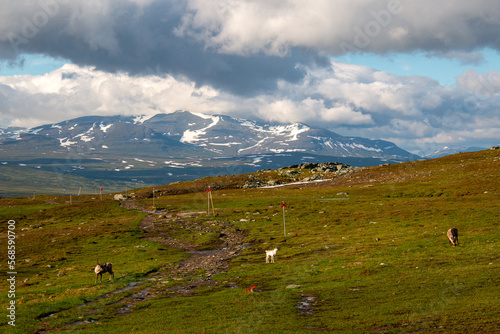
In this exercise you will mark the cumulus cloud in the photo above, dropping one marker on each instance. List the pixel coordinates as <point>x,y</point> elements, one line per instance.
<point>483,85</point>
<point>245,47</point>
<point>349,99</point>
<point>381,26</point>
<point>74,91</point>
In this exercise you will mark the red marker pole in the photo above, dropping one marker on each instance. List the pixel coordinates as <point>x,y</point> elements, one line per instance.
<point>100,193</point>
<point>250,288</point>
<point>283,205</point>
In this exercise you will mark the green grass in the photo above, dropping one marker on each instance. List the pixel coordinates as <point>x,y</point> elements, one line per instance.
<point>56,250</point>
<point>411,280</point>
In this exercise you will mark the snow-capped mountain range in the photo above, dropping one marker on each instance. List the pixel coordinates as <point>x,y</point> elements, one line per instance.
<point>210,135</point>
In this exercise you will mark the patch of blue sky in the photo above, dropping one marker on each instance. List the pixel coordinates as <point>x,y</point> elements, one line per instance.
<point>444,70</point>
<point>35,64</point>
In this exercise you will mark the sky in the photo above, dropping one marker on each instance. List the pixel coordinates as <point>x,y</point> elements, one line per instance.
<point>422,74</point>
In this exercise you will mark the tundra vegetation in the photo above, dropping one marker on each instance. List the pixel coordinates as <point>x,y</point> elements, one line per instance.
<point>366,251</point>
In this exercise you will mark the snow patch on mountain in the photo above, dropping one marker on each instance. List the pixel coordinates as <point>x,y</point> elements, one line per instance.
<point>193,136</point>
<point>85,138</point>
<point>173,164</point>
<point>292,130</point>
<point>225,144</point>
<point>65,142</point>
<point>105,128</point>
<point>361,146</point>
<point>259,143</point>
<point>146,161</point>
<point>252,125</point>
<point>142,118</point>
<point>281,150</point>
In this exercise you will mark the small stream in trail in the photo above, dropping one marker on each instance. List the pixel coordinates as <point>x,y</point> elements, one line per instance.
<point>306,305</point>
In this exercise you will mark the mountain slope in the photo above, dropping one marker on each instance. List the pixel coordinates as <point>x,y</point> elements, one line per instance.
<point>229,136</point>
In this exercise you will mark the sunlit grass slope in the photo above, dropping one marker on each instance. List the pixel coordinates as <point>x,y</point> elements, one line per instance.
<point>365,252</point>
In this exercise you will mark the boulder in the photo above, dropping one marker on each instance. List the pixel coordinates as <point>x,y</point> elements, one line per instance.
<point>120,197</point>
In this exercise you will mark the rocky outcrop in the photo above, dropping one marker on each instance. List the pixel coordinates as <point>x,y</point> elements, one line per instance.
<point>306,172</point>
<point>119,197</point>
<point>325,167</point>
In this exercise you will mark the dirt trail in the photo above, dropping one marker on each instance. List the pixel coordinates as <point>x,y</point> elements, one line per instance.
<point>189,274</point>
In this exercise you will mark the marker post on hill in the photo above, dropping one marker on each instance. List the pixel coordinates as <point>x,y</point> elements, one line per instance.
<point>100,193</point>
<point>283,206</point>
<point>210,200</point>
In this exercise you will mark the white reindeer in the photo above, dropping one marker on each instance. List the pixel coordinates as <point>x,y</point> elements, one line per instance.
<point>270,254</point>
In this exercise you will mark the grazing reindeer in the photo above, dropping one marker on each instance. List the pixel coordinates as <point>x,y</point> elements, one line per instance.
<point>270,254</point>
<point>452,234</point>
<point>104,268</point>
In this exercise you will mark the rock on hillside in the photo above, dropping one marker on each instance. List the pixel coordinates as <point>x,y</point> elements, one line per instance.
<point>305,172</point>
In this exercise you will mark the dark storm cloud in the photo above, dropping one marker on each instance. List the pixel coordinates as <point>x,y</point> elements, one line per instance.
<point>142,40</point>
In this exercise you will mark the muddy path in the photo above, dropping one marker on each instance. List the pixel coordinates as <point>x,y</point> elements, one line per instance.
<point>181,278</point>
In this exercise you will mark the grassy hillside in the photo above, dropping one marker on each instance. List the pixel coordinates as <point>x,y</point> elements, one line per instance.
<point>364,252</point>
<point>22,181</point>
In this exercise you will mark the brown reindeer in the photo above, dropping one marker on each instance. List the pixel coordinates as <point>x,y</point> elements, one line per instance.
<point>104,268</point>
<point>452,234</point>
